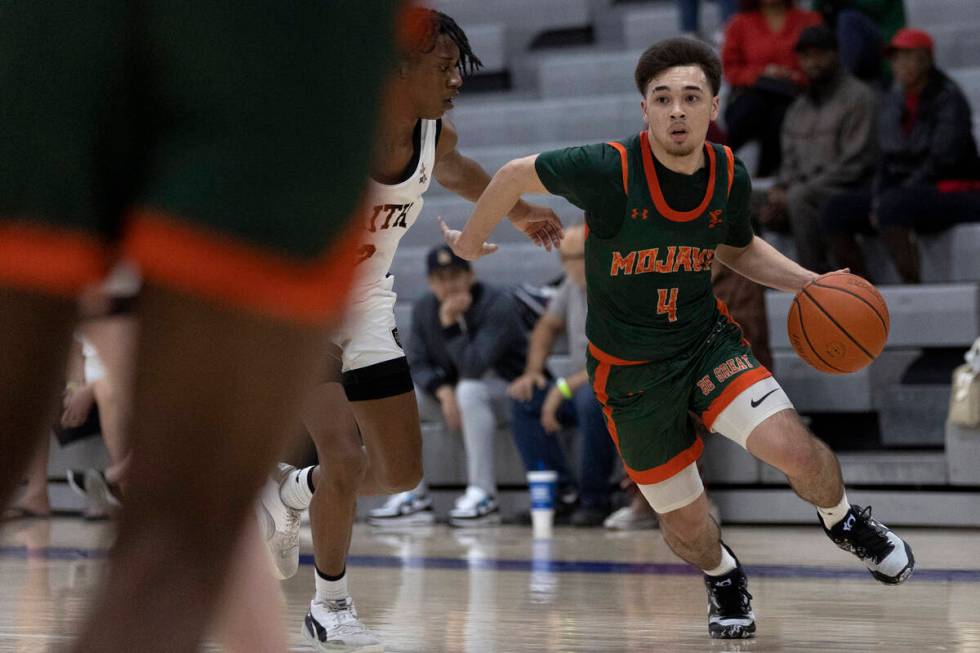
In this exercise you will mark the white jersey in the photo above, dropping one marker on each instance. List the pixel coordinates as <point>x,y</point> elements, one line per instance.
<point>393,209</point>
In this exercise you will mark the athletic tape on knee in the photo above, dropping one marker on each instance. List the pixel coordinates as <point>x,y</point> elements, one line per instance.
<point>750,408</point>
<point>676,492</point>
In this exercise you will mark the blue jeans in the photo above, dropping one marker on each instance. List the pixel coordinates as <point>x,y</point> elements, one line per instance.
<point>689,13</point>
<point>540,450</point>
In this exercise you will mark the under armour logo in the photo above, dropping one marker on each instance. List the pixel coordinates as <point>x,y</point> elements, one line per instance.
<point>714,218</point>
<point>849,522</point>
<point>423,177</point>
<point>635,213</point>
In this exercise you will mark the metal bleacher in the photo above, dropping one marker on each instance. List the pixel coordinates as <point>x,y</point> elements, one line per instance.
<point>584,92</point>
<point>576,87</point>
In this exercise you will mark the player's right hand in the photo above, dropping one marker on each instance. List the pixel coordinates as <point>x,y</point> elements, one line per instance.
<point>522,388</point>
<point>452,238</point>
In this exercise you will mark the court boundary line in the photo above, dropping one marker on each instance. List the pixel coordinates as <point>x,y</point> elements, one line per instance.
<point>543,565</point>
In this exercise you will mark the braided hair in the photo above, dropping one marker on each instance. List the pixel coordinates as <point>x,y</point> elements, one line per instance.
<point>429,24</point>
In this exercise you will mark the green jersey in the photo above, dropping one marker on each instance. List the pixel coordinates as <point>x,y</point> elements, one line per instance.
<point>652,235</point>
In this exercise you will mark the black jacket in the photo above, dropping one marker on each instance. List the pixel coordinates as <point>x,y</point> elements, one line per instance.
<point>940,145</point>
<point>490,336</point>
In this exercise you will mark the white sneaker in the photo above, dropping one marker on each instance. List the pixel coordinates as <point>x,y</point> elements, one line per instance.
<point>334,627</point>
<point>627,519</point>
<point>475,508</point>
<point>403,509</point>
<point>280,525</point>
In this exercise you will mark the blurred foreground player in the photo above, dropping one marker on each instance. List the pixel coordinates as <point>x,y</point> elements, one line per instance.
<point>660,206</point>
<point>199,139</point>
<point>364,418</point>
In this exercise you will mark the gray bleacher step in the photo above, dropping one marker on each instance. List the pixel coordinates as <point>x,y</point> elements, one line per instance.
<point>956,45</point>
<point>513,264</point>
<point>522,24</point>
<point>489,43</point>
<point>927,315</point>
<point>881,468</point>
<point>951,256</point>
<point>639,26</point>
<point>812,391</point>
<point>530,122</point>
<point>963,454</point>
<point>913,415</point>
<point>588,73</point>
<point>930,14</point>
<point>900,507</point>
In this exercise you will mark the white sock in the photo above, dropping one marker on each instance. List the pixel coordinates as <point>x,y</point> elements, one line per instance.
<point>330,590</point>
<point>726,565</point>
<point>297,490</point>
<point>834,514</point>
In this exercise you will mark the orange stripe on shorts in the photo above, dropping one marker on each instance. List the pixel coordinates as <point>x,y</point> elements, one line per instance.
<point>209,264</point>
<point>50,259</point>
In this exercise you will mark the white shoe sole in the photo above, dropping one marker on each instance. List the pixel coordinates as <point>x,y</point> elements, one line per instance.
<point>327,647</point>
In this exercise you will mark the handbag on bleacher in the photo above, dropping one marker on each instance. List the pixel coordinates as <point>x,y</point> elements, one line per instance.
<point>964,401</point>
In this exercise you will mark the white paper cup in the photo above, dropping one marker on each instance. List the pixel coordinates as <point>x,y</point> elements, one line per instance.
<point>542,486</point>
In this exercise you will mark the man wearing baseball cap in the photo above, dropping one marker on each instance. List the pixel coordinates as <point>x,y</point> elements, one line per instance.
<point>466,343</point>
<point>828,142</point>
<point>928,176</point>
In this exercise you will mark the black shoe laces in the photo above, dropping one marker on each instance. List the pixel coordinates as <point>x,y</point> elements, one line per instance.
<point>867,537</point>
<point>732,599</point>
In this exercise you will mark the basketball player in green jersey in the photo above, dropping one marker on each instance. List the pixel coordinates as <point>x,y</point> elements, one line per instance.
<point>660,206</point>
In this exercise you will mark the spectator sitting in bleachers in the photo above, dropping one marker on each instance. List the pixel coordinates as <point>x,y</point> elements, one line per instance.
<point>466,343</point>
<point>928,176</point>
<point>862,27</point>
<point>543,406</point>
<point>828,142</point>
<point>761,66</point>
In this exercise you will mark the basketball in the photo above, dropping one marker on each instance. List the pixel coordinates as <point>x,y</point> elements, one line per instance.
<point>839,323</point>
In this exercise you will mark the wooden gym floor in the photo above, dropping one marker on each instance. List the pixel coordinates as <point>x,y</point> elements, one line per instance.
<point>440,590</point>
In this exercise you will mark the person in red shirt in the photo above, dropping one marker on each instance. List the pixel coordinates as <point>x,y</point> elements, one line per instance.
<point>760,64</point>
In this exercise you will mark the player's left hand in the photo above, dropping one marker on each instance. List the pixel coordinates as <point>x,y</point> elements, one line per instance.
<point>549,411</point>
<point>453,237</point>
<point>539,223</point>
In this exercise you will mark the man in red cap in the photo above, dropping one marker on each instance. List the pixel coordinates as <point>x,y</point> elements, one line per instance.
<point>928,176</point>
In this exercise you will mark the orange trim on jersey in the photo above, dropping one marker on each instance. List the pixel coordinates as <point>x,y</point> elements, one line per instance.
<point>216,266</point>
<point>731,167</point>
<point>742,383</point>
<point>50,259</point>
<point>624,162</point>
<point>656,194</point>
<point>609,359</point>
<point>670,468</point>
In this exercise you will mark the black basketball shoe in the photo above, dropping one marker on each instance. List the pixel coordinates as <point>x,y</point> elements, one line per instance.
<point>887,557</point>
<point>730,613</point>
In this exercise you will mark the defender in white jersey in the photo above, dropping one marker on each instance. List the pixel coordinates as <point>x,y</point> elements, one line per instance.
<point>364,419</point>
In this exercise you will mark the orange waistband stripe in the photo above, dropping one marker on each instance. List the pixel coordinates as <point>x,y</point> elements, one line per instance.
<point>50,259</point>
<point>603,357</point>
<point>216,266</point>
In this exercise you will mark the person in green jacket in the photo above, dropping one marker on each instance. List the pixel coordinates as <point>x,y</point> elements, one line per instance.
<point>863,28</point>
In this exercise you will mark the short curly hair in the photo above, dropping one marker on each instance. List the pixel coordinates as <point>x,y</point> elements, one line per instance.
<point>680,51</point>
